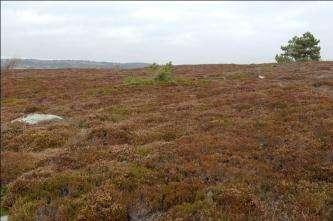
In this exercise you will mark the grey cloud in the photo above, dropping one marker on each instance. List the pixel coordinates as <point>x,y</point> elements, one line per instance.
<point>184,32</point>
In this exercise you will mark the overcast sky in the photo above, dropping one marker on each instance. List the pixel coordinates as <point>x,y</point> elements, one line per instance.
<point>182,32</point>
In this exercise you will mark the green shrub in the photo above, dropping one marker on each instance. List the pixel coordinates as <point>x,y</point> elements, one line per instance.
<point>131,80</point>
<point>304,48</point>
<point>164,73</point>
<point>154,67</point>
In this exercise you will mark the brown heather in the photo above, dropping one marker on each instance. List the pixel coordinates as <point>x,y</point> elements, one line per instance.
<point>214,143</point>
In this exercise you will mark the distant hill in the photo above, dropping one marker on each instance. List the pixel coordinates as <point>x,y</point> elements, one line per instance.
<point>56,64</point>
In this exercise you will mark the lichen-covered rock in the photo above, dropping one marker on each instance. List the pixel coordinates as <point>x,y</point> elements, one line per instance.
<point>37,118</point>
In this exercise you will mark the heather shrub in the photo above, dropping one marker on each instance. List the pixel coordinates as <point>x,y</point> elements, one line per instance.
<point>37,140</point>
<point>193,148</point>
<point>105,135</point>
<point>103,204</point>
<point>32,109</point>
<point>10,169</point>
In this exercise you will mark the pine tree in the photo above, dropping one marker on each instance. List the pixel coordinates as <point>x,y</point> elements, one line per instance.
<point>304,48</point>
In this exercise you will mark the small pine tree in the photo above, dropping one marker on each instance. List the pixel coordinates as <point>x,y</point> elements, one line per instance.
<point>304,48</point>
<point>282,58</point>
<point>164,73</point>
<point>153,67</point>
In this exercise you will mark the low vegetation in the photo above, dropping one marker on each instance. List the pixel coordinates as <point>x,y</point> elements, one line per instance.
<point>162,74</point>
<point>199,142</point>
<point>9,65</point>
